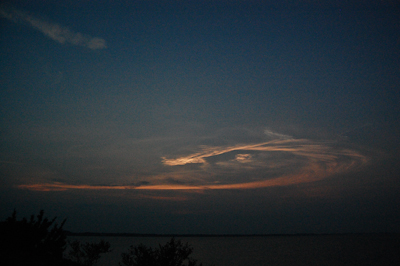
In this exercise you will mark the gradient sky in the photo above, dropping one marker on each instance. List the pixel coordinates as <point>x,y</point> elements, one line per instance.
<point>226,117</point>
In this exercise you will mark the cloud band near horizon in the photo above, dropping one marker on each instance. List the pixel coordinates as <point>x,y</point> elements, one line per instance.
<point>280,162</point>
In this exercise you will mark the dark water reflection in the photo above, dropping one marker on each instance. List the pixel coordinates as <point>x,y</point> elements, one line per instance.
<point>273,250</point>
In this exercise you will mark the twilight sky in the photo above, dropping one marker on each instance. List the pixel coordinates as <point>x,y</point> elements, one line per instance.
<point>242,117</point>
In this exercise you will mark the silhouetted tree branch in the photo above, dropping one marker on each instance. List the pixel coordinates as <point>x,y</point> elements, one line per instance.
<point>31,241</point>
<point>89,253</point>
<point>41,241</point>
<point>173,253</point>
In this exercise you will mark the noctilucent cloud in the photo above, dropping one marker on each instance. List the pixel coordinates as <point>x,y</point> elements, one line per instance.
<point>202,117</point>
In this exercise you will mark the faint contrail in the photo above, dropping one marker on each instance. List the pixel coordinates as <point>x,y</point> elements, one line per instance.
<point>354,129</point>
<point>299,146</point>
<point>54,31</point>
<point>275,135</point>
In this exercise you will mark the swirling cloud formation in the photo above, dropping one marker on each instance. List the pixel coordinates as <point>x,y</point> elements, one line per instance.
<point>280,162</point>
<point>273,163</point>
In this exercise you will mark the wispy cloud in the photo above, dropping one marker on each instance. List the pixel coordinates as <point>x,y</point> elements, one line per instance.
<point>58,186</point>
<point>278,162</point>
<point>54,31</point>
<point>281,162</point>
<point>298,147</point>
<point>275,135</point>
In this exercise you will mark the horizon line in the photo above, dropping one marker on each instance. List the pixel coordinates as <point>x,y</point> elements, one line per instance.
<point>69,233</point>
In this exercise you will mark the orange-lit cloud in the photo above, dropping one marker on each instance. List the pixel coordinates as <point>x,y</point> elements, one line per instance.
<point>281,162</point>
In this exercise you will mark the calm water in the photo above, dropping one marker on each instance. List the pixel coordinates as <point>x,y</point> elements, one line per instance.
<point>272,250</point>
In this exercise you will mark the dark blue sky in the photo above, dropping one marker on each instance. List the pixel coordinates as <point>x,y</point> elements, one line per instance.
<point>202,116</point>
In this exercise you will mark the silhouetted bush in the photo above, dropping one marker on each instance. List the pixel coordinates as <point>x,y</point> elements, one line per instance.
<point>89,253</point>
<point>173,253</point>
<point>41,241</point>
<point>31,242</point>
<point>34,242</point>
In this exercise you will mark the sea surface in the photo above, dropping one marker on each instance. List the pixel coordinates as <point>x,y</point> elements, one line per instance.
<point>352,249</point>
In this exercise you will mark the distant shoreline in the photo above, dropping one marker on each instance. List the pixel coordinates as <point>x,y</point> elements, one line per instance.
<point>217,235</point>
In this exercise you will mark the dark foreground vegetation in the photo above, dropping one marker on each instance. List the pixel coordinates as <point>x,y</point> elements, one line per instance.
<point>40,241</point>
